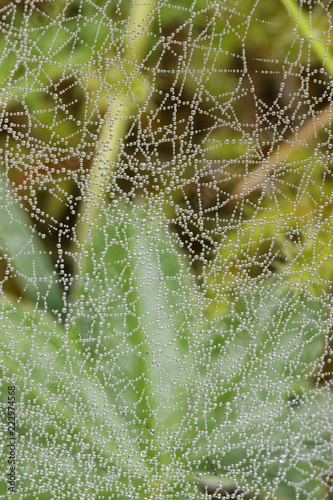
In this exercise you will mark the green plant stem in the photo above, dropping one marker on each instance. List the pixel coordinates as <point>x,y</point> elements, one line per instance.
<point>119,111</point>
<point>303,24</point>
<point>112,131</point>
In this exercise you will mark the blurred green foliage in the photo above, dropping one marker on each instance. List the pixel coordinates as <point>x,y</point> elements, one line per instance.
<point>133,355</point>
<point>58,78</point>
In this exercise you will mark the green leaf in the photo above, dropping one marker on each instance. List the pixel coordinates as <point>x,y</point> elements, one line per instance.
<point>134,311</point>
<point>26,256</point>
<point>137,387</point>
<point>66,426</point>
<point>262,362</point>
<point>183,382</point>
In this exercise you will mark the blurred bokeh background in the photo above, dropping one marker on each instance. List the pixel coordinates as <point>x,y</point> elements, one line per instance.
<point>211,93</point>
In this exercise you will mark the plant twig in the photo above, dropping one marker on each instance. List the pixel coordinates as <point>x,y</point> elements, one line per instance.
<point>257,178</point>
<point>309,129</point>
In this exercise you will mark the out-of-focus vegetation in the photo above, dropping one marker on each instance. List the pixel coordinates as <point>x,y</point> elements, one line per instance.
<point>80,382</point>
<point>201,103</point>
<point>245,104</point>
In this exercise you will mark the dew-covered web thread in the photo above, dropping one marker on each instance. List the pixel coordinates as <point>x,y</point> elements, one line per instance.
<point>166,249</point>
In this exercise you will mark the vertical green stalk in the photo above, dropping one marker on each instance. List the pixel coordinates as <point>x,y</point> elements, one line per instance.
<point>303,24</point>
<point>120,108</point>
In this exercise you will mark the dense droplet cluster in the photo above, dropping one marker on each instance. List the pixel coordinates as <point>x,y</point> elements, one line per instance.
<point>166,248</point>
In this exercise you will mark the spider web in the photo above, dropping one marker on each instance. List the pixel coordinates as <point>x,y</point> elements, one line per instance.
<point>165,249</point>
